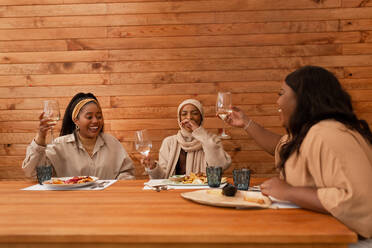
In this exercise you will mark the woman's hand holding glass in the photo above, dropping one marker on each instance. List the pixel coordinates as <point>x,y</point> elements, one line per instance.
<point>237,118</point>
<point>52,114</point>
<point>143,145</point>
<point>45,125</point>
<point>48,119</point>
<point>148,162</point>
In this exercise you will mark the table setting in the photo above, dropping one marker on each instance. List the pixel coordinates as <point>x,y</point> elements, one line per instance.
<point>127,215</point>
<point>95,185</point>
<point>47,182</point>
<point>214,190</point>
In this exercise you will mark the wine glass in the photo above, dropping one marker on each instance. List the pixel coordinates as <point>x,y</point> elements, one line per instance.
<point>142,142</point>
<point>51,111</point>
<point>223,108</point>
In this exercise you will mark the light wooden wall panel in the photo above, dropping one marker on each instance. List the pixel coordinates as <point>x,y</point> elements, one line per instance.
<point>143,57</point>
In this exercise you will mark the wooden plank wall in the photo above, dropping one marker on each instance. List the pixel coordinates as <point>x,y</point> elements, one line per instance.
<point>143,57</point>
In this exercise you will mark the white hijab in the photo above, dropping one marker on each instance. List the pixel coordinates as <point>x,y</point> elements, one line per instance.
<point>184,137</point>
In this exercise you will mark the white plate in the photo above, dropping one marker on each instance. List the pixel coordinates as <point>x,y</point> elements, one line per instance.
<point>177,178</point>
<point>59,186</point>
<point>255,188</point>
<point>242,199</point>
<point>173,183</point>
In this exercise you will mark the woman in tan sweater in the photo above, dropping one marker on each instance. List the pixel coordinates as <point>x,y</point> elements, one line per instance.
<point>325,160</point>
<point>192,149</point>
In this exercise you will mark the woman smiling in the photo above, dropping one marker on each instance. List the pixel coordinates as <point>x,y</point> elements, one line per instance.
<point>82,148</point>
<point>325,159</point>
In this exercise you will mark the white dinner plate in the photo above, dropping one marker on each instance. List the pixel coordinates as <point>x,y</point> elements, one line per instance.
<point>174,183</point>
<point>59,186</point>
<point>242,199</point>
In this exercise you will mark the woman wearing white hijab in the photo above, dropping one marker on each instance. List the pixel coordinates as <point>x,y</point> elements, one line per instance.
<point>192,149</point>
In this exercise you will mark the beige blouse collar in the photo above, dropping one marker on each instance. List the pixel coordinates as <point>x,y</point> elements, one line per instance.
<point>99,142</point>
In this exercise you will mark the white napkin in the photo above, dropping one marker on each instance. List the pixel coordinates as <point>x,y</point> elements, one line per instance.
<point>154,182</point>
<point>88,187</point>
<point>276,203</point>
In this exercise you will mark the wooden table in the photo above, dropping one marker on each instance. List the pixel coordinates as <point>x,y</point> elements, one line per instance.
<point>124,215</point>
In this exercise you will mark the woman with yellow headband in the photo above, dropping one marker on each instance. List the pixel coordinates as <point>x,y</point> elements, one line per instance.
<point>82,149</point>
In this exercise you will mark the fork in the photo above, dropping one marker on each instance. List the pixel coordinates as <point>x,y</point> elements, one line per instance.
<point>159,188</point>
<point>99,185</point>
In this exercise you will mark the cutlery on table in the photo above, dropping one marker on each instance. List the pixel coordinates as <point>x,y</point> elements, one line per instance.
<point>99,185</point>
<point>159,187</point>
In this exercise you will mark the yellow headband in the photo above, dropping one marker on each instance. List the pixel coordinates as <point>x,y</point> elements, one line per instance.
<point>80,104</point>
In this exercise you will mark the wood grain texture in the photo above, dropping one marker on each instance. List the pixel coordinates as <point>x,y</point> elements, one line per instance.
<point>158,7</point>
<point>133,217</point>
<point>141,58</point>
<point>187,17</point>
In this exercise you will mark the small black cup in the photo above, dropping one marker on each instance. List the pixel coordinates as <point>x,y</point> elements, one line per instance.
<point>43,173</point>
<point>241,178</point>
<point>214,175</point>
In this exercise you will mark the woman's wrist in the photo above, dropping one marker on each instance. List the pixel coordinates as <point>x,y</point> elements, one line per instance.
<point>40,140</point>
<point>248,124</point>
<point>153,165</point>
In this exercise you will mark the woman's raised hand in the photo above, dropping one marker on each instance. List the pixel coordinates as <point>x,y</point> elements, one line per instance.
<point>148,162</point>
<point>237,118</point>
<point>45,125</point>
<point>189,124</point>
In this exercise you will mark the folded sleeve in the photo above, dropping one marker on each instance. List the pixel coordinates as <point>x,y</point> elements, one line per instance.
<point>127,168</point>
<point>215,155</point>
<point>343,175</point>
<point>160,170</point>
<point>35,155</point>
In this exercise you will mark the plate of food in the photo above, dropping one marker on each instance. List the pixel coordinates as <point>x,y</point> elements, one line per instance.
<point>193,179</point>
<point>240,199</point>
<point>70,182</point>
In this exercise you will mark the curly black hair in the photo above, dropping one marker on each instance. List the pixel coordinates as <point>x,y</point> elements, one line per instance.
<point>319,96</point>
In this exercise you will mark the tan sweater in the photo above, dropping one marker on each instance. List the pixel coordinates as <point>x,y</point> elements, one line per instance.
<point>212,153</point>
<point>337,161</point>
<point>109,159</point>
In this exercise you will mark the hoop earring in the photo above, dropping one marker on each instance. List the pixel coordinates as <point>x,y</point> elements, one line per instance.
<point>77,128</point>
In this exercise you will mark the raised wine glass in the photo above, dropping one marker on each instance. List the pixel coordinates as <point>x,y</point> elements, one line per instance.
<point>142,143</point>
<point>51,111</point>
<point>223,108</point>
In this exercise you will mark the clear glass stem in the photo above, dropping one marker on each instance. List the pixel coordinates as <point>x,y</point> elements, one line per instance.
<point>224,135</point>
<point>145,172</point>
<point>223,132</point>
<point>51,133</point>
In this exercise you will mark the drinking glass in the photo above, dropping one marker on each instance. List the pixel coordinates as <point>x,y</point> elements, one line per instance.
<point>142,142</point>
<point>223,108</point>
<point>51,111</point>
<point>214,175</point>
<point>242,178</point>
<point>43,173</point>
